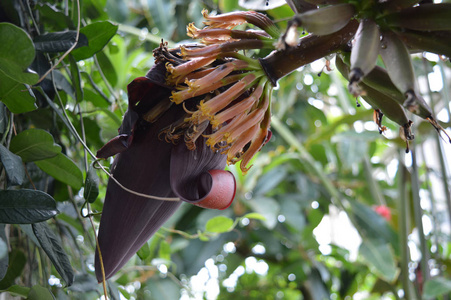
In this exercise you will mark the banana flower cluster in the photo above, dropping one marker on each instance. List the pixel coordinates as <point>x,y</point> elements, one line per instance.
<point>199,108</point>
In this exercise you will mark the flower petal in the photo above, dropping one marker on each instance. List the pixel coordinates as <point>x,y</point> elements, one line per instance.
<point>129,220</point>
<point>116,145</point>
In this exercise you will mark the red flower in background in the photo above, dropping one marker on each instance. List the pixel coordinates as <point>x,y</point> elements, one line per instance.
<point>383,211</point>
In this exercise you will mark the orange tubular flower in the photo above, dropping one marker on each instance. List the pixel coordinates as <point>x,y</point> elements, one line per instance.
<point>219,88</point>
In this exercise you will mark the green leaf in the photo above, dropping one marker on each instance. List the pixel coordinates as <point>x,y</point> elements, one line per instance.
<point>164,251</point>
<point>107,68</point>
<point>144,252</point>
<point>18,291</point>
<point>379,256</point>
<point>16,54</point>
<point>51,15</point>
<point>34,144</point>
<point>38,292</point>
<point>98,34</point>
<point>435,287</point>
<point>17,262</point>
<point>15,95</point>
<point>219,224</point>
<point>26,206</point>
<point>13,165</point>
<point>52,247</point>
<point>255,216</point>
<point>63,169</point>
<point>91,191</point>
<point>76,79</point>
<point>59,41</point>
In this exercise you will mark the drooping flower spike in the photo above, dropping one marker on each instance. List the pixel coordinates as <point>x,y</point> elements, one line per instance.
<point>198,108</point>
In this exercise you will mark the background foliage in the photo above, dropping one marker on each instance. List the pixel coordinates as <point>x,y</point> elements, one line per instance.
<point>327,210</point>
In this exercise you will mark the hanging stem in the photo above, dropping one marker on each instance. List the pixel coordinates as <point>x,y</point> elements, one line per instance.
<point>310,48</point>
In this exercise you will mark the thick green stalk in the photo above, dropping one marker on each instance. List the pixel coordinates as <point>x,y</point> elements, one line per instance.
<point>403,211</point>
<point>418,213</point>
<point>310,48</point>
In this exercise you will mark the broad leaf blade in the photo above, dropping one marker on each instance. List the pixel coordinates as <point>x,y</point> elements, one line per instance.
<point>435,287</point>
<point>15,95</point>
<point>98,34</point>
<point>59,41</point>
<point>13,166</point>
<point>379,256</point>
<point>16,264</point>
<point>16,53</point>
<point>38,292</point>
<point>34,144</point>
<point>52,246</point>
<point>63,169</point>
<point>26,206</point>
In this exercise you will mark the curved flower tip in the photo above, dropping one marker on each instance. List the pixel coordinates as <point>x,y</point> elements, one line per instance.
<point>116,145</point>
<point>221,186</point>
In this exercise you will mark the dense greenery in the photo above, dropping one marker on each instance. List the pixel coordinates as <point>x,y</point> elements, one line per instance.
<point>331,208</point>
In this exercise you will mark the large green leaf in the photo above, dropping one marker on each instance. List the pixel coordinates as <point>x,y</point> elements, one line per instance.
<point>435,287</point>
<point>16,96</point>
<point>379,256</point>
<point>59,41</point>
<point>38,292</point>
<point>63,169</point>
<point>52,247</point>
<point>16,53</point>
<point>34,144</point>
<point>51,15</point>
<point>98,34</point>
<point>26,206</point>
<point>16,264</point>
<point>13,166</point>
